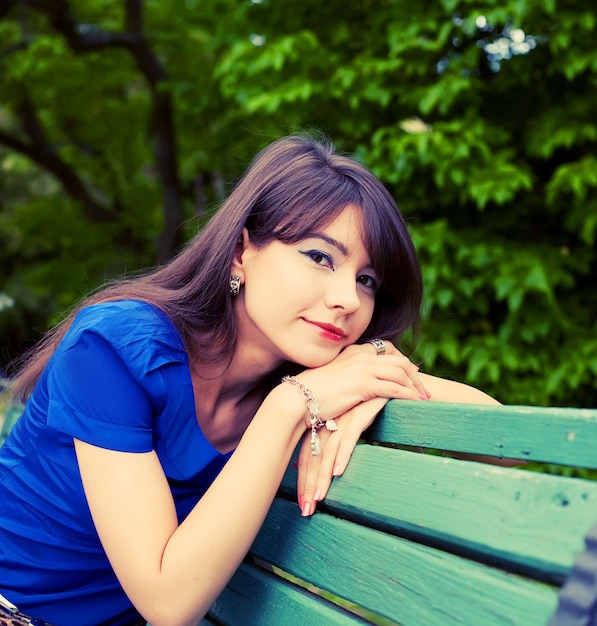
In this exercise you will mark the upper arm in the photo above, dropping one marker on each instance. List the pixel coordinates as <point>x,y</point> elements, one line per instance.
<point>133,511</point>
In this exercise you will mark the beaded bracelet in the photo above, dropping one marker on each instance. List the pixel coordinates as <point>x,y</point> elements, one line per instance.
<point>314,408</point>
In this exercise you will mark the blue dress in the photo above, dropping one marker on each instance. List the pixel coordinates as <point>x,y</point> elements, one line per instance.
<point>120,379</point>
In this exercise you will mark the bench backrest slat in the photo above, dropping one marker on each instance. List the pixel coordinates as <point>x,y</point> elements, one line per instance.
<point>468,508</point>
<point>403,581</point>
<point>553,435</point>
<point>265,599</point>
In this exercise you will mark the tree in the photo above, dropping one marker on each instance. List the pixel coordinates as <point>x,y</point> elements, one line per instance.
<point>92,179</point>
<point>478,117</point>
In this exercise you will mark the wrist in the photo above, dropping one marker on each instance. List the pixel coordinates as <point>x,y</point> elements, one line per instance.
<point>313,409</point>
<point>287,409</point>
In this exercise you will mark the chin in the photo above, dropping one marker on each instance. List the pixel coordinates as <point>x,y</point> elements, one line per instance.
<point>311,361</point>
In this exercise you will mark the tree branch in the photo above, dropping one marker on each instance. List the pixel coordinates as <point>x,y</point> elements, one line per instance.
<point>41,152</point>
<point>84,38</point>
<point>134,16</point>
<point>166,153</point>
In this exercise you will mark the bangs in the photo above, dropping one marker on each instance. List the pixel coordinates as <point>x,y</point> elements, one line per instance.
<point>394,259</point>
<point>314,207</point>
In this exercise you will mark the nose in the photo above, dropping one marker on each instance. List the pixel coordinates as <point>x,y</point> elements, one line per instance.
<point>343,293</point>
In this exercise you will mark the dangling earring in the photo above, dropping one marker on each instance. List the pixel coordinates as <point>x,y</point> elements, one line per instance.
<point>234,285</point>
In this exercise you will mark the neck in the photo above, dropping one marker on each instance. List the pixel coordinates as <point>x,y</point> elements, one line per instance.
<point>227,395</point>
<point>232,379</point>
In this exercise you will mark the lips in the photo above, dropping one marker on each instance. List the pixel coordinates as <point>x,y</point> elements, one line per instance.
<point>329,330</point>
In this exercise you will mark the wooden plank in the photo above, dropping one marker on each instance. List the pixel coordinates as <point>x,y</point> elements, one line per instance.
<point>256,597</point>
<point>408,583</point>
<point>554,435</point>
<point>523,521</point>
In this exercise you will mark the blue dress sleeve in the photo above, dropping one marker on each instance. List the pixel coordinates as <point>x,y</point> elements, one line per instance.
<point>102,382</point>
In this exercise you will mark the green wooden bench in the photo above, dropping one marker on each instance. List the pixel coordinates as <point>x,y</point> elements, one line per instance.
<point>419,539</point>
<point>422,540</point>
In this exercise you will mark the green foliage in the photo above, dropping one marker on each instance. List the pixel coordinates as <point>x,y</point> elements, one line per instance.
<point>479,116</point>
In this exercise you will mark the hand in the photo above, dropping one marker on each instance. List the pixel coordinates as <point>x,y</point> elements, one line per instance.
<point>410,369</point>
<point>315,473</point>
<point>358,374</point>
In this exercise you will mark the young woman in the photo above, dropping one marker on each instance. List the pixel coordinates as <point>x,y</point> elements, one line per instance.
<point>162,414</point>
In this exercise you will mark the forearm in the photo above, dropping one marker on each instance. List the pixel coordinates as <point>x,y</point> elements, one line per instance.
<point>443,390</point>
<point>203,553</point>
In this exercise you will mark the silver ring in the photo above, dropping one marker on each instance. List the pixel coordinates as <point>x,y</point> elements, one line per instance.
<point>379,345</point>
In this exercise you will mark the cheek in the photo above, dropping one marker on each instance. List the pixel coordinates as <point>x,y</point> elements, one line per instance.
<point>269,289</point>
<point>365,314</point>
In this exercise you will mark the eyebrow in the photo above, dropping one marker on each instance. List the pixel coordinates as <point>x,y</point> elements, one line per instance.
<point>334,242</point>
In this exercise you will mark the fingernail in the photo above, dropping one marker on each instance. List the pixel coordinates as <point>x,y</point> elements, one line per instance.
<point>300,502</point>
<point>428,394</point>
<point>337,471</point>
<point>306,509</point>
<point>317,495</point>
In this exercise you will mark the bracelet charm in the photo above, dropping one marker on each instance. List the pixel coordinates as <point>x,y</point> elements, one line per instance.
<point>314,408</point>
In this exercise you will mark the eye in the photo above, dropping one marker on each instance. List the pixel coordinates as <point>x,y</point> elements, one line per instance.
<point>368,281</point>
<point>321,258</point>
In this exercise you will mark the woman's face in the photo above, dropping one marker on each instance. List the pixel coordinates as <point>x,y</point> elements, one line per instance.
<point>305,302</point>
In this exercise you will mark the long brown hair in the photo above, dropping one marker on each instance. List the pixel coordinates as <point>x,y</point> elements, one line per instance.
<point>292,187</point>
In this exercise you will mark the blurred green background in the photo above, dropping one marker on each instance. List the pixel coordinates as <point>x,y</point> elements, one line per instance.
<point>123,123</point>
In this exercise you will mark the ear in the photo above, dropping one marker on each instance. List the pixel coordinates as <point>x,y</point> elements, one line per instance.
<point>240,255</point>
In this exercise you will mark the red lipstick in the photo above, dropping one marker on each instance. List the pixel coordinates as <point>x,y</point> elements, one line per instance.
<point>329,331</point>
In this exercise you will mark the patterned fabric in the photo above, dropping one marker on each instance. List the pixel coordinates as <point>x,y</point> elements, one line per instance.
<point>578,598</point>
<point>16,618</point>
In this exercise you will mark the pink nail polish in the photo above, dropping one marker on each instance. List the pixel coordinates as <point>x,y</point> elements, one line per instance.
<point>306,509</point>
<point>300,502</point>
<point>317,495</point>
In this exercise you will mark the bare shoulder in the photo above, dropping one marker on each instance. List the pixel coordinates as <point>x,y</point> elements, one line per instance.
<point>444,390</point>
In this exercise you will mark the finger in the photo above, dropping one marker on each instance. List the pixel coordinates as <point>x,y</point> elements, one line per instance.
<point>412,370</point>
<point>308,468</point>
<point>326,466</point>
<point>393,382</point>
<point>363,416</point>
<point>315,472</point>
<point>345,449</point>
<point>303,468</point>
